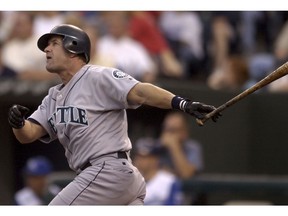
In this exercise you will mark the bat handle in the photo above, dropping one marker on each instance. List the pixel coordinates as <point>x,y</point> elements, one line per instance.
<point>201,122</point>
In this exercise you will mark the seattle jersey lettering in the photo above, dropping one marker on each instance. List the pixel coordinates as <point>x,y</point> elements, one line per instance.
<point>66,115</point>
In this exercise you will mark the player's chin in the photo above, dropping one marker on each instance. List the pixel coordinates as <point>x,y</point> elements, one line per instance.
<point>51,69</point>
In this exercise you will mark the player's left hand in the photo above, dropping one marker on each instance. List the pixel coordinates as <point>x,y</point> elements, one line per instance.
<point>199,110</point>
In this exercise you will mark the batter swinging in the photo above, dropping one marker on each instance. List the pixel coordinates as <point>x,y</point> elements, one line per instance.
<point>87,114</point>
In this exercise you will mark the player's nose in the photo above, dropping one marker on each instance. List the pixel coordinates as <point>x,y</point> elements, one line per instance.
<point>47,48</point>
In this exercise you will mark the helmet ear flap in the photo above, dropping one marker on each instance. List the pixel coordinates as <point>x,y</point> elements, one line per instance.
<point>71,44</point>
<point>75,46</point>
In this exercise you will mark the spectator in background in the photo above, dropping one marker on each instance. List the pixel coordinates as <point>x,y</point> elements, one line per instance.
<point>36,190</point>
<point>263,63</point>
<point>184,31</point>
<point>45,20</point>
<point>225,37</point>
<point>249,29</point>
<point>233,76</point>
<point>162,187</point>
<point>119,50</point>
<point>6,23</point>
<point>76,18</point>
<point>259,30</point>
<point>184,155</point>
<point>5,72</point>
<point>20,53</point>
<point>144,29</point>
<point>93,33</point>
<point>281,56</point>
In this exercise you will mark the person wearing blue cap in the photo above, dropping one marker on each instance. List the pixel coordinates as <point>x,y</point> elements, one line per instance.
<point>162,187</point>
<point>36,190</point>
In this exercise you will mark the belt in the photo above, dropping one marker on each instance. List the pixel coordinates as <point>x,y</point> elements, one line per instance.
<point>119,155</point>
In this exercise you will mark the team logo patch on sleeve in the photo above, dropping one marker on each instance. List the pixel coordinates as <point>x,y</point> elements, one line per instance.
<point>119,74</point>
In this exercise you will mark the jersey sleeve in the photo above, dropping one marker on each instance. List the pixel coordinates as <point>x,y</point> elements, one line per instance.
<point>115,85</point>
<point>40,116</point>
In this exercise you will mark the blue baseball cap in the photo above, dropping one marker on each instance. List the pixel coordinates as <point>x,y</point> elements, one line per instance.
<point>38,166</point>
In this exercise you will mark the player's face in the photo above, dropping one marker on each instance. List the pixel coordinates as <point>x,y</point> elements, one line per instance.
<point>57,58</point>
<point>37,184</point>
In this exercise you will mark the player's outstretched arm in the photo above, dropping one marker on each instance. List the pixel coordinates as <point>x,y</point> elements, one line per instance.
<point>149,94</point>
<point>25,131</point>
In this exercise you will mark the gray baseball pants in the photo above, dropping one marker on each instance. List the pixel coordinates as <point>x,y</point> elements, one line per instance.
<point>112,181</point>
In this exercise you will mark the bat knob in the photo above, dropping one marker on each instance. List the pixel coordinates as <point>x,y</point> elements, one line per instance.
<point>199,122</point>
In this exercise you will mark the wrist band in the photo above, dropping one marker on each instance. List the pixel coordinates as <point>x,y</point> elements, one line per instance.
<point>178,103</point>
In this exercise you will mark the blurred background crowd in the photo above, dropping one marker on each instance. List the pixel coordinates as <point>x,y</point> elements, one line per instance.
<point>225,50</point>
<point>221,50</point>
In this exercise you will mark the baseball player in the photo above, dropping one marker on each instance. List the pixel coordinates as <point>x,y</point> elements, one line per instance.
<point>87,114</point>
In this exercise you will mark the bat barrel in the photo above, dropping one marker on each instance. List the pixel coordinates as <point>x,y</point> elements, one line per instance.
<point>278,73</point>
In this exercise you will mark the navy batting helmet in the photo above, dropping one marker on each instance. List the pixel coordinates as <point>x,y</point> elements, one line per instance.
<point>75,40</point>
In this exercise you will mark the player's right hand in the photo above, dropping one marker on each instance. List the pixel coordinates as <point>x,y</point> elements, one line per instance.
<point>16,116</point>
<point>199,110</point>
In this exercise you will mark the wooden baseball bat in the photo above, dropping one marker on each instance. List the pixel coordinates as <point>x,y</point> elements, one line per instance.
<point>276,74</point>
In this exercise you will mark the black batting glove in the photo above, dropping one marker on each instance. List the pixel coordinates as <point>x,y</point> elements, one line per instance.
<point>196,109</point>
<point>199,110</point>
<point>16,116</point>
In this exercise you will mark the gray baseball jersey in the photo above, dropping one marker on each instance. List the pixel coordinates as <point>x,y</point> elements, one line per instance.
<point>88,117</point>
<point>88,114</point>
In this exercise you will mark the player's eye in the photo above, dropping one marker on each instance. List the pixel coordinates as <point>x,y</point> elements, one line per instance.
<point>53,43</point>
